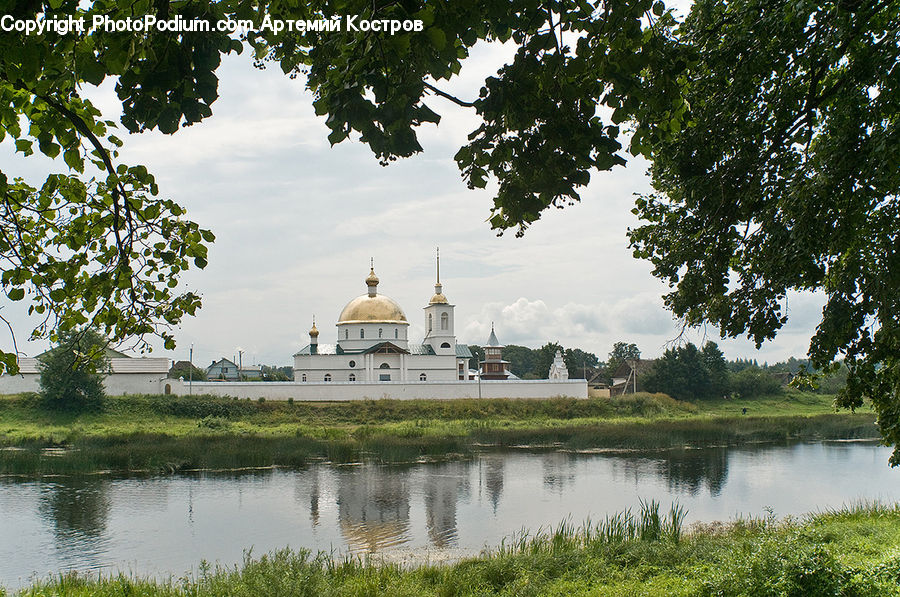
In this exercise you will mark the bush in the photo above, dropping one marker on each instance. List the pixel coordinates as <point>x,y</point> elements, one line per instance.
<point>72,373</point>
<point>753,382</point>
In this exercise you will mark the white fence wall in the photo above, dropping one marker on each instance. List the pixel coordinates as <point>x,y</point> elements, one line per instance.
<point>338,391</point>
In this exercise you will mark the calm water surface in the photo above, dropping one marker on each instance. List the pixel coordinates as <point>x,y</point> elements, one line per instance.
<point>166,525</point>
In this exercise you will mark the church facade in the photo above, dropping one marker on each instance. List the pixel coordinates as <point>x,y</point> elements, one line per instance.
<point>372,344</point>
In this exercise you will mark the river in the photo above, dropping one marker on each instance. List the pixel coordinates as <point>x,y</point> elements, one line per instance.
<point>165,525</point>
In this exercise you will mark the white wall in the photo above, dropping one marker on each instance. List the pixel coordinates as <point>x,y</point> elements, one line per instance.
<point>338,391</point>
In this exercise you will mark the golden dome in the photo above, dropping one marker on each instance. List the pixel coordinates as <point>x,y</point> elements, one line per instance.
<point>438,298</point>
<point>372,280</point>
<point>314,333</point>
<point>372,309</point>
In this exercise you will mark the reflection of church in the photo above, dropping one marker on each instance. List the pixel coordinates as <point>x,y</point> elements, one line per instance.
<point>372,343</point>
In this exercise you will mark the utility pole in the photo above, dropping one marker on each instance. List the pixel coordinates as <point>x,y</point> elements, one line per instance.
<point>240,365</point>
<point>191,372</point>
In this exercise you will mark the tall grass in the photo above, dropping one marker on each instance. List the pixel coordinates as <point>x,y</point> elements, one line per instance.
<point>853,552</point>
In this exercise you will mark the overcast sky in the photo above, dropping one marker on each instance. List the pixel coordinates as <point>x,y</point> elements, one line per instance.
<point>297,221</point>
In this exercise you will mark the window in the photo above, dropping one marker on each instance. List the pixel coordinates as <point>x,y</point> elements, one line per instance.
<point>384,366</point>
<point>303,378</point>
<point>423,377</point>
<point>396,333</point>
<point>352,364</point>
<point>380,332</point>
<point>346,334</point>
<point>352,377</point>
<point>362,333</point>
<point>328,377</point>
<point>429,322</point>
<point>384,377</point>
<point>445,321</point>
<point>445,345</point>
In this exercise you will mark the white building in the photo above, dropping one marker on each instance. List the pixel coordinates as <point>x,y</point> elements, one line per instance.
<point>558,369</point>
<point>373,344</point>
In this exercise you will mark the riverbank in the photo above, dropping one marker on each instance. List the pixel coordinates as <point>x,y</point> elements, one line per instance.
<point>853,551</point>
<point>167,434</point>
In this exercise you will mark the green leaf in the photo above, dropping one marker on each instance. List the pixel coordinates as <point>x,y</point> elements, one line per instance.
<point>16,294</point>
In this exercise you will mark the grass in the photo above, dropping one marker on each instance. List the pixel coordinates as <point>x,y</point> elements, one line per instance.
<point>853,551</point>
<point>166,433</point>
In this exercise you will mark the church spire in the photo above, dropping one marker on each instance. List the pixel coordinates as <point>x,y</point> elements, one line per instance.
<point>438,289</point>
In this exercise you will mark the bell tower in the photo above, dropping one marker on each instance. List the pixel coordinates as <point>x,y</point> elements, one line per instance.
<point>439,319</point>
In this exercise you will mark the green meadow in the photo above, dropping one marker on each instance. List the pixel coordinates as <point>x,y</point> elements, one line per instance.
<point>166,433</point>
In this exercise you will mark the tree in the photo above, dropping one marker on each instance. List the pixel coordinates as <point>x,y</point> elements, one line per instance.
<point>521,359</point>
<point>95,246</point>
<point>622,352</point>
<point>185,370</point>
<point>752,381</point>
<point>784,178</point>
<point>578,360</point>
<point>71,374</point>
<point>688,373</point>
<point>544,359</point>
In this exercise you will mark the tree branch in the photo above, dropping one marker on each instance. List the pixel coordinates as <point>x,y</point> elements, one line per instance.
<point>446,95</point>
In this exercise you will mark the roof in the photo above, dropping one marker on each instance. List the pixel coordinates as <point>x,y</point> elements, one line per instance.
<point>462,351</point>
<point>492,340</point>
<point>118,364</point>
<point>420,349</point>
<point>223,362</point>
<point>322,349</point>
<point>372,309</point>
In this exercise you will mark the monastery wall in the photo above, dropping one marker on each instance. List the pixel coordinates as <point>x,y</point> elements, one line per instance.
<point>338,391</point>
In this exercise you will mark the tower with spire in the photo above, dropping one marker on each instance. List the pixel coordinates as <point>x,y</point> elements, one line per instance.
<point>439,318</point>
<point>493,366</point>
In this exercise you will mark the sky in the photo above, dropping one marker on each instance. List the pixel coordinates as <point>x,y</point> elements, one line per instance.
<point>297,222</point>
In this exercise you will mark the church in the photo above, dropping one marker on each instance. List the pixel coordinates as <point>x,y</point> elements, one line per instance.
<point>373,345</point>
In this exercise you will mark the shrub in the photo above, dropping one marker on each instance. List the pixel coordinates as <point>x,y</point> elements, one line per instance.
<point>72,373</point>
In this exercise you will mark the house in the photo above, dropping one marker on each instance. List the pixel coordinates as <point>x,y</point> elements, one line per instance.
<point>626,379</point>
<point>223,369</point>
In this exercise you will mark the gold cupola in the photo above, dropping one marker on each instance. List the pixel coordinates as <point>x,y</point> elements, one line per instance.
<point>372,307</point>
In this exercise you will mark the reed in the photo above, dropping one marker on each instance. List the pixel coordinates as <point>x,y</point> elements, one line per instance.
<point>851,551</point>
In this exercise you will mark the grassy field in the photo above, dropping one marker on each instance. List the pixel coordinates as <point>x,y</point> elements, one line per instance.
<point>852,552</point>
<point>165,433</point>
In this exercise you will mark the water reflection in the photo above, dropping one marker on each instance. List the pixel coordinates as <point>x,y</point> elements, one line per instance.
<point>77,508</point>
<point>689,471</point>
<point>166,524</point>
<point>490,477</point>
<point>373,506</point>
<point>443,487</point>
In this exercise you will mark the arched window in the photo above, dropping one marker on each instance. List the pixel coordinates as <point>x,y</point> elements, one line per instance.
<point>352,377</point>
<point>362,333</point>
<point>328,377</point>
<point>168,389</point>
<point>384,366</point>
<point>396,333</point>
<point>445,345</point>
<point>380,332</point>
<point>429,322</point>
<point>346,334</point>
<point>423,377</point>
<point>303,377</point>
<point>445,321</point>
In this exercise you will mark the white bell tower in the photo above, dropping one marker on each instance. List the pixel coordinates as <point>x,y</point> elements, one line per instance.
<point>439,319</point>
